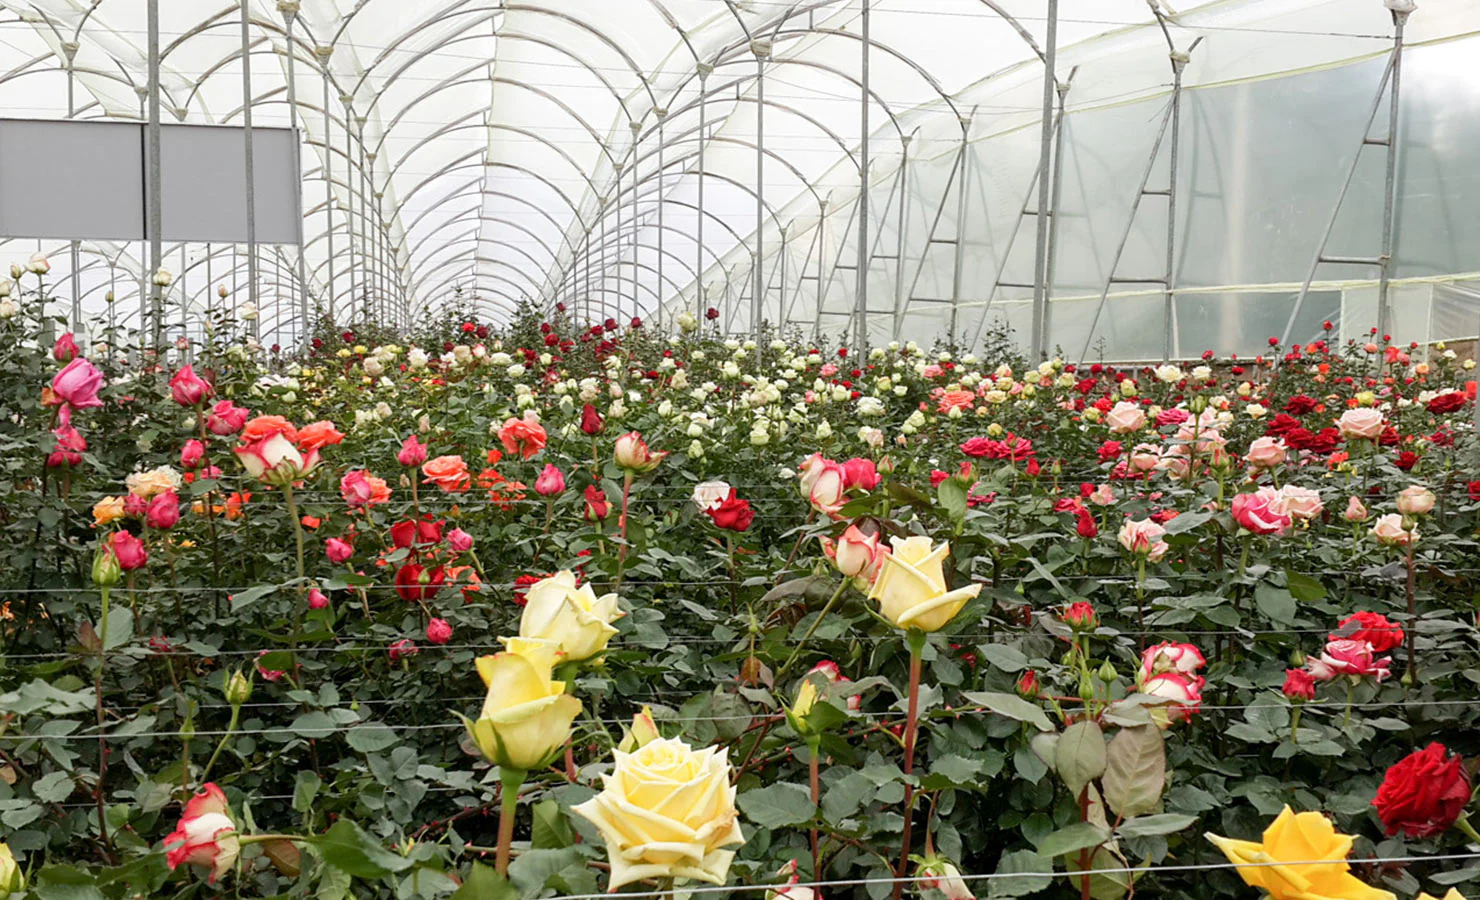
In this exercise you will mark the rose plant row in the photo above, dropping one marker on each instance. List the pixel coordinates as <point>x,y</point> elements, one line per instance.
<point>558,608</point>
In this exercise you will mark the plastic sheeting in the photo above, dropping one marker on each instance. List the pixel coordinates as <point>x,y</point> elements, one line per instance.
<point>492,152</point>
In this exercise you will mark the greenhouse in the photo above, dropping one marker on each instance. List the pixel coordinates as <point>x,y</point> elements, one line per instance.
<point>773,449</point>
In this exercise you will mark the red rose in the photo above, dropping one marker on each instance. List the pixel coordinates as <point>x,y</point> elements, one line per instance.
<point>597,507</point>
<point>1299,685</point>
<point>1406,460</point>
<point>1300,404</point>
<point>1448,402</point>
<point>1423,793</point>
<point>1474,489</point>
<point>414,583</point>
<point>591,420</point>
<point>977,447</point>
<point>733,513</point>
<point>1371,627</point>
<point>403,534</point>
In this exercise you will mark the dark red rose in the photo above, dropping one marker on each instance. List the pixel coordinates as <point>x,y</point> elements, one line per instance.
<point>1281,425</point>
<point>1389,436</point>
<point>415,583</point>
<point>596,504</point>
<point>403,534</point>
<point>428,531</point>
<point>1474,488</point>
<point>977,447</point>
<point>1371,627</point>
<point>1109,450</point>
<point>1300,404</point>
<point>1406,460</point>
<point>1449,402</point>
<point>1423,793</point>
<point>591,420</point>
<point>733,513</point>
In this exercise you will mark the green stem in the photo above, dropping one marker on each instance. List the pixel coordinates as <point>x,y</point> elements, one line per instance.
<point>102,738</point>
<point>236,714</point>
<point>916,642</point>
<point>298,541</point>
<point>811,630</point>
<point>1463,824</point>
<point>1346,721</point>
<point>1295,725</point>
<point>512,780</point>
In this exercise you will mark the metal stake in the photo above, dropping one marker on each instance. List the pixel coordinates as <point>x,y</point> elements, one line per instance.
<point>251,180</point>
<point>1045,151</point>
<point>860,334</point>
<point>761,50</point>
<point>156,191</point>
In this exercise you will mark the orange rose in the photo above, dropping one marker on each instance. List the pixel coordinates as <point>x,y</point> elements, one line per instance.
<point>264,427</point>
<point>317,436</point>
<point>525,437</point>
<point>449,473</point>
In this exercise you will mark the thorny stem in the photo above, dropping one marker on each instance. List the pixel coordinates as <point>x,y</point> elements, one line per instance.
<point>911,730</point>
<point>512,780</point>
<point>102,738</point>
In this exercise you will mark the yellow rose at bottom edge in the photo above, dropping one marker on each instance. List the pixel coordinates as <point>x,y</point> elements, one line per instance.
<point>1302,857</point>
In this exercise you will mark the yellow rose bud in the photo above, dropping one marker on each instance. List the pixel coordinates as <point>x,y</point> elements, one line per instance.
<point>911,587</point>
<point>643,732</point>
<point>1298,837</point>
<point>13,879</point>
<point>526,717</point>
<point>667,811</point>
<point>574,618</point>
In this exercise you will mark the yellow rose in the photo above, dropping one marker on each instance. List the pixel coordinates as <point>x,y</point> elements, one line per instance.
<point>1453,894</point>
<point>526,717</point>
<point>643,732</point>
<point>13,880</point>
<point>574,618</point>
<point>1307,837</point>
<point>911,587</point>
<point>154,481</point>
<point>107,510</point>
<point>665,812</point>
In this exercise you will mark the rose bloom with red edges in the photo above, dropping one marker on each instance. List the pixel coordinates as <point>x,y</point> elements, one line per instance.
<point>732,514</point>
<point>1371,627</point>
<point>1423,793</point>
<point>206,836</point>
<point>1299,685</point>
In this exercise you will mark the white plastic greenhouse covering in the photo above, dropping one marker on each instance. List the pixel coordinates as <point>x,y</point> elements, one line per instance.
<point>491,152</point>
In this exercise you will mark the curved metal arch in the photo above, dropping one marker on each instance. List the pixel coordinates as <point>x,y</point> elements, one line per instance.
<point>880,45</point>
<point>500,126</point>
<point>472,275</point>
<point>661,278</point>
<point>611,44</point>
<point>486,14</point>
<point>480,237</point>
<point>785,107</point>
<point>477,214</point>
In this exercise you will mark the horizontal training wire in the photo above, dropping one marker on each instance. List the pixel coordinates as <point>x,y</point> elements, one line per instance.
<point>867,717</point>
<point>990,876</point>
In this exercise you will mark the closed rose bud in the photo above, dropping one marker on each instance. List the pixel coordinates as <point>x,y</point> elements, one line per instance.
<point>192,454</point>
<point>439,631</point>
<point>65,349</point>
<point>1355,511</point>
<point>1415,500</point>
<point>164,511</point>
<point>105,569</point>
<point>1299,685</point>
<point>413,452</point>
<point>187,388</point>
<point>317,600</point>
<point>459,540</point>
<point>1027,685</point>
<point>237,688</point>
<point>338,550</point>
<point>551,482</point>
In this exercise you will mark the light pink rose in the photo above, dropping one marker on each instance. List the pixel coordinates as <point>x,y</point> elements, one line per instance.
<point>1389,529</point>
<point>1300,504</point>
<point>1415,500</point>
<point>1169,657</point>
<point>1145,457</point>
<point>1355,511</point>
<point>1363,422</point>
<point>1184,690</point>
<point>1125,418</point>
<point>1266,453</point>
<point>1143,538</point>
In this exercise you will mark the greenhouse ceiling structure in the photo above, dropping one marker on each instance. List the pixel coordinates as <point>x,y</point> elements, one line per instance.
<point>1132,179</point>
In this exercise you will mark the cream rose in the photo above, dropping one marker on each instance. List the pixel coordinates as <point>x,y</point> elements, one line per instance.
<point>1389,529</point>
<point>1415,500</point>
<point>1266,453</point>
<point>1361,423</point>
<point>526,716</point>
<point>1125,418</point>
<point>911,587</point>
<point>574,618</point>
<point>1300,503</point>
<point>667,811</point>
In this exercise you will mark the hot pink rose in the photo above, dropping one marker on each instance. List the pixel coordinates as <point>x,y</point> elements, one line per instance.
<point>188,388</point>
<point>129,551</point>
<point>65,349</point>
<point>68,449</point>
<point>459,540</point>
<point>413,452</point>
<point>551,482</point>
<point>226,418</point>
<point>338,550</point>
<point>192,454</point>
<point>77,385</point>
<point>164,510</point>
<point>861,473</point>
<point>1348,657</point>
<point>317,600</point>
<point>439,631</point>
<point>1262,512</point>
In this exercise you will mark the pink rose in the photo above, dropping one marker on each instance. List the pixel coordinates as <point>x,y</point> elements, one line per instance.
<point>1185,692</point>
<point>77,384</point>
<point>192,454</point>
<point>338,550</point>
<point>1389,530</point>
<point>164,511</point>
<point>1143,538</point>
<point>861,473</point>
<point>1300,504</point>
<point>1415,500</point>
<point>459,540</point>
<point>858,554</point>
<point>1364,423</point>
<point>551,482</point>
<point>1169,657</point>
<point>1266,453</point>
<point>317,600</point>
<point>1145,457</point>
<point>206,836</point>
<point>1348,657</point>
<point>188,388</point>
<point>1125,417</point>
<point>829,488</point>
<point>1262,512</point>
<point>226,418</point>
<point>439,631</point>
<point>1355,511</point>
<point>412,453</point>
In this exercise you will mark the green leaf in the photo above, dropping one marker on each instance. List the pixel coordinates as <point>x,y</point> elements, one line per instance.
<point>371,737</point>
<point>812,587</point>
<point>778,805</point>
<point>1161,823</point>
<point>952,497</point>
<point>1303,587</point>
<point>485,883</point>
<point>63,882</point>
<point>1079,756</point>
<point>1013,707</point>
<point>120,627</point>
<point>954,771</point>
<point>1135,770</point>
<point>243,599</point>
<point>54,787</point>
<point>1020,873</point>
<point>1276,603</point>
<point>348,848</point>
<point>1187,521</point>
<point>533,869</point>
<point>305,789</point>
<point>1077,836</point>
<point>314,724</point>
<point>551,828</point>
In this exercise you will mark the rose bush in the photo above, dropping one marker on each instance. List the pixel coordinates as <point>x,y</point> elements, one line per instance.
<point>896,612</point>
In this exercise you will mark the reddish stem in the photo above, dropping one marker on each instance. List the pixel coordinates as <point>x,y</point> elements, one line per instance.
<point>816,780</point>
<point>911,729</point>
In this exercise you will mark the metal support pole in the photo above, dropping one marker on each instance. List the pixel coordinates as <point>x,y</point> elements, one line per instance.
<point>762,51</point>
<point>636,132</point>
<point>1170,343</point>
<point>156,192</point>
<point>662,114</point>
<point>860,333</point>
<point>247,147</point>
<point>289,9</point>
<point>899,237</point>
<point>74,247</point>
<point>1053,225</point>
<point>323,55</point>
<point>699,298</point>
<point>958,264</point>
<point>1390,191</point>
<point>349,199</point>
<point>1045,151</point>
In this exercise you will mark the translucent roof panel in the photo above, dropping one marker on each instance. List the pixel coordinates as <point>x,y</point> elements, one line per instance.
<point>502,151</point>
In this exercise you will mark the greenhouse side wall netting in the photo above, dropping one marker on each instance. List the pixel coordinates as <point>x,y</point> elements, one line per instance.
<point>608,156</point>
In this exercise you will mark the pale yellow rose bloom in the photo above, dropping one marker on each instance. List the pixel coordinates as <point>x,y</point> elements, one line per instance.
<point>911,587</point>
<point>575,618</point>
<point>154,481</point>
<point>1453,894</point>
<point>643,732</point>
<point>667,811</point>
<point>526,716</point>
<point>13,880</point>
<point>1292,838</point>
